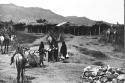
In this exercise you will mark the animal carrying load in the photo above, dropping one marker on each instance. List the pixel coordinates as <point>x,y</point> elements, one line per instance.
<point>33,59</point>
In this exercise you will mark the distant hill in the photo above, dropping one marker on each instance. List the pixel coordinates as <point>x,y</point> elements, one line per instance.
<point>31,14</point>
<point>80,20</point>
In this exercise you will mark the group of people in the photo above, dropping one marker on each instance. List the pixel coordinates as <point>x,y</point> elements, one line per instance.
<point>5,40</point>
<point>54,54</point>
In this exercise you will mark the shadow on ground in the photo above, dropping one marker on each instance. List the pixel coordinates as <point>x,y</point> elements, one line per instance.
<point>92,53</point>
<point>27,79</point>
<point>10,79</point>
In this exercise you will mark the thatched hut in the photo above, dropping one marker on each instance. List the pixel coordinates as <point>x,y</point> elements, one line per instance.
<point>38,27</point>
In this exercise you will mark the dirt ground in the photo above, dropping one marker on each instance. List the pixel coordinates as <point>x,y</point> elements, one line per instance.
<point>82,50</point>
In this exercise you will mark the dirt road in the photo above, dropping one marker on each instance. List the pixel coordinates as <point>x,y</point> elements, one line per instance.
<point>52,73</point>
<point>59,72</point>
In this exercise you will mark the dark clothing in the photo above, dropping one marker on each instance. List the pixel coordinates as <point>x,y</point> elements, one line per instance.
<point>49,56</point>
<point>56,51</point>
<point>41,59</point>
<point>6,42</point>
<point>41,49</point>
<point>56,55</point>
<point>63,50</point>
<point>53,54</point>
<point>41,53</point>
<point>19,50</point>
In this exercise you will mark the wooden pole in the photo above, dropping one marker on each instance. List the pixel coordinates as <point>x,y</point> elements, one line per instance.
<point>78,31</point>
<point>45,29</point>
<point>90,33</point>
<point>73,31</point>
<point>99,29</point>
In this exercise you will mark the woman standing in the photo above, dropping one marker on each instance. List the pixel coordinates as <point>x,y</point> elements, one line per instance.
<point>56,52</point>
<point>63,49</point>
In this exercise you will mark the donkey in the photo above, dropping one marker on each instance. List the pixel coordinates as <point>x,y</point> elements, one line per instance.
<point>20,66</point>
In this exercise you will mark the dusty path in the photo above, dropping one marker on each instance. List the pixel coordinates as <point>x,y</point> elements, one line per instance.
<point>58,72</point>
<point>52,73</point>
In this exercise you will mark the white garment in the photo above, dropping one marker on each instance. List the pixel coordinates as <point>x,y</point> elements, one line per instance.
<point>67,55</point>
<point>62,57</point>
<point>1,38</point>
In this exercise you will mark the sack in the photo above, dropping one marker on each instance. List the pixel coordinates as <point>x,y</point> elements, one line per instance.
<point>62,57</point>
<point>33,60</point>
<point>67,55</point>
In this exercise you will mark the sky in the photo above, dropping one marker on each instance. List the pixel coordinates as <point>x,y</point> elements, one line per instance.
<point>101,10</point>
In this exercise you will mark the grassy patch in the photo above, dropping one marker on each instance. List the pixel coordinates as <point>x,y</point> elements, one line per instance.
<point>2,81</point>
<point>70,53</point>
<point>98,54</point>
<point>91,59</point>
<point>98,63</point>
<point>81,44</point>
<point>118,48</point>
<point>10,79</point>
<point>93,53</point>
<point>95,38</point>
<point>25,38</point>
<point>94,43</point>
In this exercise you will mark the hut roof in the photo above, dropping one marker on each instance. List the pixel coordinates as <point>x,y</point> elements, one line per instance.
<point>61,24</point>
<point>65,23</point>
<point>102,22</point>
<point>36,24</point>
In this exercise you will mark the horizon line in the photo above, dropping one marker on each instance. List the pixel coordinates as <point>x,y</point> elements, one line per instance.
<point>58,14</point>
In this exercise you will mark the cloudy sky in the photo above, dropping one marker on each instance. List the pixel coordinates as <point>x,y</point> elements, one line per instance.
<point>106,10</point>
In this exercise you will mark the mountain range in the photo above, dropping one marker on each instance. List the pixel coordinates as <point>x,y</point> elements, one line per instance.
<point>31,14</point>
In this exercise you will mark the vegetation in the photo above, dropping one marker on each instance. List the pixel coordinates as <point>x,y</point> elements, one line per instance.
<point>41,21</point>
<point>25,38</point>
<point>117,40</point>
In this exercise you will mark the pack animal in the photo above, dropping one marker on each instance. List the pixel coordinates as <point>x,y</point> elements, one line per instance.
<point>20,66</point>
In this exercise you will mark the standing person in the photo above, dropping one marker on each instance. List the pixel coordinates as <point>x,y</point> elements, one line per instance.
<point>19,50</point>
<point>56,51</point>
<point>63,49</point>
<point>41,53</point>
<point>51,51</point>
